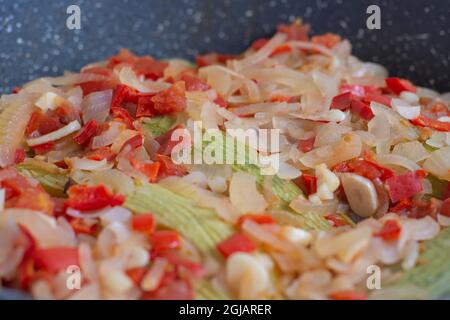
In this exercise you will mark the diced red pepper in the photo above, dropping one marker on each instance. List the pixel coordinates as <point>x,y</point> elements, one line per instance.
<point>446,192</point>
<point>16,90</point>
<point>146,66</point>
<point>370,170</point>
<point>361,109</point>
<point>238,242</point>
<point>404,186</point>
<point>348,295</point>
<point>43,148</point>
<point>144,222</point>
<point>284,48</point>
<point>281,98</point>
<point>258,218</point>
<point>87,198</point>
<point>102,153</point>
<point>397,85</point>
<point>122,114</point>
<point>168,168</point>
<point>221,102</point>
<point>390,230</point>
<point>109,83</point>
<point>342,167</point>
<point>445,209</point>
<point>145,107</point>
<point>306,145</point>
<point>85,134</point>
<point>166,142</point>
<point>342,101</point>
<point>134,142</point>
<point>385,100</point>
<point>336,220</point>
<point>309,183</point>
<point>41,124</point>
<point>259,43</point>
<point>295,31</point>
<point>56,259</point>
<point>19,156</point>
<point>150,170</point>
<point>136,275</point>
<point>194,83</point>
<point>194,269</point>
<point>120,94</point>
<point>81,227</point>
<point>212,58</point>
<point>423,121</point>
<point>328,40</point>
<point>171,100</point>
<point>403,204</point>
<point>163,240</point>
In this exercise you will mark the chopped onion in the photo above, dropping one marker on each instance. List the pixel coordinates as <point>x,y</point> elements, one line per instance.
<point>55,135</point>
<point>439,163</point>
<point>49,101</point>
<point>412,150</point>
<point>405,110</point>
<point>244,194</point>
<point>87,164</point>
<point>396,160</point>
<point>118,213</point>
<point>95,106</point>
<point>109,136</point>
<point>75,78</point>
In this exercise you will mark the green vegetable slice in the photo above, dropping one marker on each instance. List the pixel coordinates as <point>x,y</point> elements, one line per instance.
<point>205,291</point>
<point>52,179</point>
<point>159,125</point>
<point>431,277</point>
<point>199,225</point>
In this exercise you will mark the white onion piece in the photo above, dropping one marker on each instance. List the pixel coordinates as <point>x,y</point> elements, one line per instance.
<point>49,101</point>
<point>302,205</point>
<point>2,199</point>
<point>439,163</point>
<point>286,171</point>
<point>129,78</point>
<point>109,136</point>
<point>244,194</point>
<point>55,135</point>
<point>412,150</point>
<point>87,164</point>
<point>405,110</point>
<point>13,121</point>
<point>266,107</point>
<point>443,220</point>
<point>396,160</point>
<point>118,213</point>
<point>87,214</point>
<point>95,106</point>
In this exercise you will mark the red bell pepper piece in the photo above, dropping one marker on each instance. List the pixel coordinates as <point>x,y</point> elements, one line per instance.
<point>445,209</point>
<point>336,220</point>
<point>134,142</point>
<point>295,31</point>
<point>238,242</point>
<point>56,259</point>
<point>397,85</point>
<point>122,114</point>
<point>359,90</point>
<point>102,153</point>
<point>87,198</point>
<point>85,134</point>
<point>258,218</point>
<point>168,168</point>
<point>385,100</point>
<point>390,230</point>
<point>19,156</point>
<point>370,170</point>
<point>194,83</point>
<point>309,183</point>
<point>259,43</point>
<point>150,170</point>
<point>361,109</point>
<point>404,186</point>
<point>81,227</point>
<point>342,101</point>
<point>328,40</point>
<point>144,222</point>
<point>423,121</point>
<point>220,102</point>
<point>145,107</point>
<point>401,205</point>
<point>306,145</point>
<point>348,295</point>
<point>109,83</point>
<point>43,148</point>
<point>171,100</point>
<point>284,48</point>
<point>163,240</point>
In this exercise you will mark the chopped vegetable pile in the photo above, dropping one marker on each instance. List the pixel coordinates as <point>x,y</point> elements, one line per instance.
<point>93,204</point>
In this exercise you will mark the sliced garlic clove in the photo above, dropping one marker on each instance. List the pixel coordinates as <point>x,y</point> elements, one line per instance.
<point>361,194</point>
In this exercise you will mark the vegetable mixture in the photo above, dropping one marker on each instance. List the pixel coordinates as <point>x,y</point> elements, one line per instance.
<point>93,205</point>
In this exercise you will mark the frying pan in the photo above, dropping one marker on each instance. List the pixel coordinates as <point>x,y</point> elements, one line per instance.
<point>413,41</point>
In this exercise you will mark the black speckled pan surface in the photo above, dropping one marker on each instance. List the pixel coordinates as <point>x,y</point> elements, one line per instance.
<point>34,41</point>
